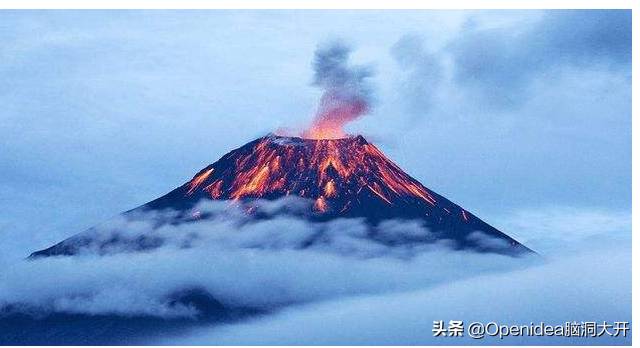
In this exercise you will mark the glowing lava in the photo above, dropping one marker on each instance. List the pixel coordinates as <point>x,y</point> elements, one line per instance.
<point>333,172</point>
<point>334,112</point>
<point>198,180</point>
<point>320,205</point>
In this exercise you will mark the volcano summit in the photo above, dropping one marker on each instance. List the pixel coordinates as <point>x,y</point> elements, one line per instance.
<point>340,178</point>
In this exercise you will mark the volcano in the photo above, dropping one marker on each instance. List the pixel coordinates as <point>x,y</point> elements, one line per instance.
<point>341,178</point>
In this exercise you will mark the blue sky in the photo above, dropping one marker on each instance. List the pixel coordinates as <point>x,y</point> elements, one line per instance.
<point>500,111</point>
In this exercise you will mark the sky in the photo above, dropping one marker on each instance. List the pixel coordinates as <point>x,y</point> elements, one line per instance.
<point>496,110</point>
<point>521,117</point>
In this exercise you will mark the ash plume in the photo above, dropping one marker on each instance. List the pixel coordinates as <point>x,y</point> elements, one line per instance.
<point>346,90</point>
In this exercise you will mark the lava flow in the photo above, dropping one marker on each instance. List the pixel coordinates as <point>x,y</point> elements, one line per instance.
<point>336,173</point>
<point>342,177</point>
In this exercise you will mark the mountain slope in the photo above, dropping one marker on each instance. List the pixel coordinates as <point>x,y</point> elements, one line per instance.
<point>344,178</point>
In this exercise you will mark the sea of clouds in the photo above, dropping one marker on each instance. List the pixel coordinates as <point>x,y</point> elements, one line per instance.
<point>240,261</point>
<point>583,274</point>
<point>345,288</point>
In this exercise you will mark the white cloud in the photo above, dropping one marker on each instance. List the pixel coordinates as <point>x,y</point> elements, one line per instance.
<point>241,263</point>
<point>592,286</point>
<point>347,288</point>
<point>555,228</point>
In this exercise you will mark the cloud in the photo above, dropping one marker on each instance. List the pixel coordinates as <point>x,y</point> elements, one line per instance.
<point>487,242</point>
<point>259,224</point>
<point>553,293</point>
<point>499,64</point>
<point>422,72</point>
<point>241,263</point>
<point>347,288</point>
<point>570,229</point>
<point>585,275</point>
<point>516,96</point>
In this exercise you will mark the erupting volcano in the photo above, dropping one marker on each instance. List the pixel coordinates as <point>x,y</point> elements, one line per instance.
<point>343,178</point>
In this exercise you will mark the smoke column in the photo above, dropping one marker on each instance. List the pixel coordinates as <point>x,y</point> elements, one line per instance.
<point>346,93</point>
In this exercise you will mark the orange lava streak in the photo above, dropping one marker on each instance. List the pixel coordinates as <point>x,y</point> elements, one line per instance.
<point>320,205</point>
<point>324,131</point>
<point>379,194</point>
<point>327,154</point>
<point>395,182</point>
<point>336,164</point>
<point>197,180</point>
<point>330,189</point>
<point>275,164</point>
<point>418,191</point>
<point>256,184</point>
<point>215,189</point>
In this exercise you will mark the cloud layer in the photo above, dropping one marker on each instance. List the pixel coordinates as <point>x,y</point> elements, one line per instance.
<point>584,275</point>
<point>552,293</point>
<point>242,264</point>
<point>348,289</point>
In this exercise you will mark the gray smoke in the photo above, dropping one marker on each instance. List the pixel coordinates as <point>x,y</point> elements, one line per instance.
<point>346,89</point>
